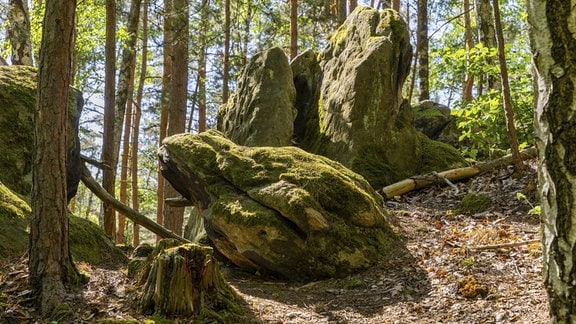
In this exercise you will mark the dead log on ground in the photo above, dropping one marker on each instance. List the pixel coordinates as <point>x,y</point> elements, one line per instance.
<point>133,215</point>
<point>422,181</point>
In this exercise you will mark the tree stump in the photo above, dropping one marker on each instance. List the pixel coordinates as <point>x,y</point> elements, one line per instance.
<point>186,280</point>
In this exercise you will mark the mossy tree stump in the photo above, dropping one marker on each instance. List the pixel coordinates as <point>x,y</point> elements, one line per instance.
<point>186,280</point>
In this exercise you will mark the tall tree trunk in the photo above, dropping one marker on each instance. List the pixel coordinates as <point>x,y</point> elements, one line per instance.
<point>202,68</point>
<point>341,11</point>
<point>554,53</point>
<point>109,150</point>
<point>164,112</point>
<point>134,168</point>
<point>50,262</point>
<point>174,216</point>
<point>136,121</point>
<point>487,35</point>
<point>226,65</point>
<point>124,169</point>
<point>123,102</point>
<point>19,33</point>
<point>293,28</point>
<point>352,4</point>
<point>507,98</point>
<point>202,90</point>
<point>422,46</point>
<point>469,44</point>
<point>396,5</point>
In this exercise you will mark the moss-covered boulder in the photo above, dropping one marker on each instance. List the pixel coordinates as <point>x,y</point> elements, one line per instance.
<point>88,242</point>
<point>262,112</point>
<point>280,210</point>
<point>14,217</point>
<point>17,104</point>
<point>348,100</point>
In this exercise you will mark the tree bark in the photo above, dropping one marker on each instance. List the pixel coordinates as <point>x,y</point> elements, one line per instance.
<point>109,150</point>
<point>19,33</point>
<point>50,262</point>
<point>124,106</point>
<point>164,112</point>
<point>226,64</point>
<point>506,96</point>
<point>422,46</point>
<point>185,279</point>
<point>487,36</point>
<point>202,69</point>
<point>396,5</point>
<point>136,121</point>
<point>352,4</point>
<point>341,11</point>
<point>554,53</point>
<point>293,29</point>
<point>174,217</point>
<point>469,44</point>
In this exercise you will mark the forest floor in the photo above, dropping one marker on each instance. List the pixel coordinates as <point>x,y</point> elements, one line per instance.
<point>452,267</point>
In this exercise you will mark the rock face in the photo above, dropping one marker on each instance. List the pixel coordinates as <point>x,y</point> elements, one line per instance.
<point>349,102</point>
<point>431,118</point>
<point>279,210</point>
<point>88,242</point>
<point>434,120</point>
<point>262,111</point>
<point>17,104</point>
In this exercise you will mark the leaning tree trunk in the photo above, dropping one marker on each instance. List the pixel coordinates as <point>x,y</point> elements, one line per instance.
<point>554,48</point>
<point>186,280</point>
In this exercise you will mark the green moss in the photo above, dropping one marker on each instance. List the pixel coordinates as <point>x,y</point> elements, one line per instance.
<point>428,112</point>
<point>474,203</point>
<point>438,156</point>
<point>391,19</point>
<point>88,243</point>
<point>285,199</point>
<point>17,102</point>
<point>14,217</point>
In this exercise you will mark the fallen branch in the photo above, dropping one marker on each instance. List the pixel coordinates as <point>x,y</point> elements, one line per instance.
<point>99,164</point>
<point>133,215</point>
<point>178,202</point>
<point>422,181</point>
<point>503,245</point>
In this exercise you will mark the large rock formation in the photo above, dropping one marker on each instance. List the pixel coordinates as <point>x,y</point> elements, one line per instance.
<point>17,104</point>
<point>349,103</point>
<point>262,111</point>
<point>279,210</point>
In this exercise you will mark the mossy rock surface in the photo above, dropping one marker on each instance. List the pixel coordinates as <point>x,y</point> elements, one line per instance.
<point>14,217</point>
<point>17,102</point>
<point>17,105</point>
<point>280,210</point>
<point>474,203</point>
<point>88,242</point>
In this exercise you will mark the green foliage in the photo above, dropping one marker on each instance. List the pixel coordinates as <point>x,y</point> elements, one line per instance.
<point>534,209</point>
<point>482,120</point>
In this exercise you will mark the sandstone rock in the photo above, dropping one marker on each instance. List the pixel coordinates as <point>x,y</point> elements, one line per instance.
<point>349,103</point>
<point>17,104</point>
<point>431,118</point>
<point>262,111</point>
<point>280,210</point>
